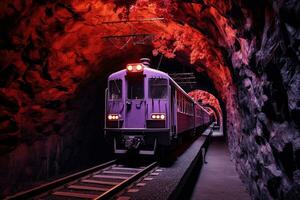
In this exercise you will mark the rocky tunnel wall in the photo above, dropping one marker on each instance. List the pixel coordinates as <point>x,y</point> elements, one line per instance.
<point>55,57</point>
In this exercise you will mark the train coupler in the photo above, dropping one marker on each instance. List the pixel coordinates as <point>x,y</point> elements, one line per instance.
<point>133,142</point>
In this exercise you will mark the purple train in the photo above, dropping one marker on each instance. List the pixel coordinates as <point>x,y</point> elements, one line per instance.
<point>146,109</point>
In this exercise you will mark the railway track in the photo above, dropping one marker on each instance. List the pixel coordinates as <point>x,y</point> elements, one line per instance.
<point>100,182</point>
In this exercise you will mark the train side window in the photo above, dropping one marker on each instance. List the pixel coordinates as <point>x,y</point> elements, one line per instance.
<point>115,89</point>
<point>135,88</point>
<point>158,88</point>
<point>181,103</point>
<point>178,102</point>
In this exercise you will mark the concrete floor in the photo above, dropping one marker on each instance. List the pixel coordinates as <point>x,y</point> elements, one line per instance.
<point>218,179</point>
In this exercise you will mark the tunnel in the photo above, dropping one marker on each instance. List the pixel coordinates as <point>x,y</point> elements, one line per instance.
<point>56,56</point>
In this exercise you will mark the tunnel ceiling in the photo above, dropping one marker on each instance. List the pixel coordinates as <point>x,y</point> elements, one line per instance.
<point>249,50</point>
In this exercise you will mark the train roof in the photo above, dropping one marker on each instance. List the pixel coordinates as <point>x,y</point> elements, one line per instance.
<point>160,74</point>
<point>148,70</point>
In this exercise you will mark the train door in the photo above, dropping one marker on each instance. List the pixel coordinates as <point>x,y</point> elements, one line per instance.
<point>173,111</point>
<point>135,103</point>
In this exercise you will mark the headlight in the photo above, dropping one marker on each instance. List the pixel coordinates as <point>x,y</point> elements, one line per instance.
<point>138,67</point>
<point>113,117</point>
<point>129,68</point>
<point>135,68</point>
<point>158,116</point>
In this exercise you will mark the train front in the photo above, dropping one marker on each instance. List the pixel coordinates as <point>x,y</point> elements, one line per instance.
<point>137,110</point>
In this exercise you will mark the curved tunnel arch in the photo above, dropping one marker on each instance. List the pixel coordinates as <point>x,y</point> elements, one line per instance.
<point>208,100</point>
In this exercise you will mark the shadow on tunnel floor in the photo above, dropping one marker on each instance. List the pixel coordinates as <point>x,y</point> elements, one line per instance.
<point>189,188</point>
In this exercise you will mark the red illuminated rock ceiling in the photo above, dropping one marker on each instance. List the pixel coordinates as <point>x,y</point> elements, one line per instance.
<point>50,47</point>
<point>249,49</point>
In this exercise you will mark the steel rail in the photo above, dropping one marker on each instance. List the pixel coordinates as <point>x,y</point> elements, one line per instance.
<point>119,187</point>
<point>56,183</point>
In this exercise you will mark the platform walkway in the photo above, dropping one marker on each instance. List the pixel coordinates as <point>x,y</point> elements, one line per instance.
<point>218,179</point>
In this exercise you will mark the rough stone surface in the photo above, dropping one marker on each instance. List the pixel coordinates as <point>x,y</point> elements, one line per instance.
<point>52,56</point>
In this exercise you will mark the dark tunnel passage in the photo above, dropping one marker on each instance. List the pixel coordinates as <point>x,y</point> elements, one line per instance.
<point>55,57</point>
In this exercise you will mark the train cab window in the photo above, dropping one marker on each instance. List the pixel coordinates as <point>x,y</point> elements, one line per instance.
<point>135,88</point>
<point>158,88</point>
<point>115,89</point>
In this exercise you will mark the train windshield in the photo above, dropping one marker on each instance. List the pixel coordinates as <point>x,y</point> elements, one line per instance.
<point>135,88</point>
<point>115,89</point>
<point>158,88</point>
